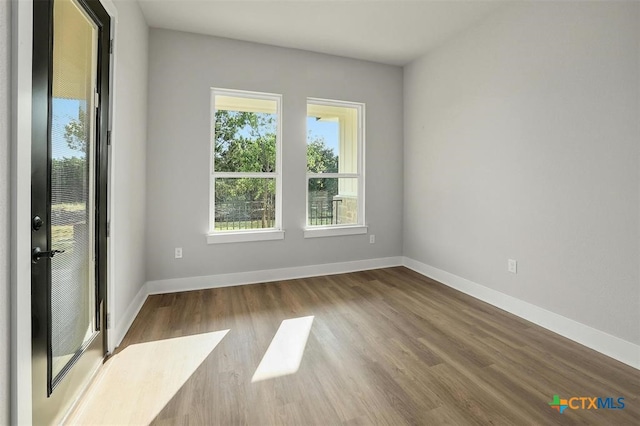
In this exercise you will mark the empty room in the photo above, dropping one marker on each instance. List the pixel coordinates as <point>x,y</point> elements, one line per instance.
<point>337,212</point>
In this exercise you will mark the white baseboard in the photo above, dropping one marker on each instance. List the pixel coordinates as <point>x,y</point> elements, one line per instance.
<point>239,278</point>
<point>612,346</point>
<point>268,275</point>
<point>125,321</point>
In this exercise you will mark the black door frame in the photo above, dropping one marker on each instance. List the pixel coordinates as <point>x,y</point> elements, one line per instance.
<point>41,170</point>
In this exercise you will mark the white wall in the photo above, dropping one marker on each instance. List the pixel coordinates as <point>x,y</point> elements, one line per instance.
<point>182,69</point>
<point>129,138</point>
<point>5,161</point>
<point>523,141</point>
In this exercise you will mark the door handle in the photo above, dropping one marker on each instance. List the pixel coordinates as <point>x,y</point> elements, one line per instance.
<point>38,254</point>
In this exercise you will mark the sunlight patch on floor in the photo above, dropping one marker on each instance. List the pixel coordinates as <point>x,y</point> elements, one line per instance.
<point>285,352</point>
<point>135,384</point>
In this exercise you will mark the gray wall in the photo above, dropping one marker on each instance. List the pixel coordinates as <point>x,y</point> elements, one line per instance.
<point>128,154</point>
<point>5,99</point>
<point>522,141</point>
<point>182,69</point>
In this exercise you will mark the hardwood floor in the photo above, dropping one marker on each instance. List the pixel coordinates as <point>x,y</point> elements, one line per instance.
<point>385,347</point>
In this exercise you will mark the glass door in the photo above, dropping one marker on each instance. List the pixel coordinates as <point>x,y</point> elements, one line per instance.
<point>71,62</point>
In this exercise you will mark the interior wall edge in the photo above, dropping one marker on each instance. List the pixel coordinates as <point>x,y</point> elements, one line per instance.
<point>268,275</point>
<point>5,206</point>
<point>129,315</point>
<point>607,344</point>
<point>128,164</point>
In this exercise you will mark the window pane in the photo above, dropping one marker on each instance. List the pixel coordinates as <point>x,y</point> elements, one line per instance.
<point>245,203</point>
<point>245,134</point>
<point>332,139</point>
<point>72,298</point>
<point>333,201</point>
<point>322,146</point>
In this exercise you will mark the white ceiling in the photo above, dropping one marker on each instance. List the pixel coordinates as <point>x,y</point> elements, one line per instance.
<point>393,32</point>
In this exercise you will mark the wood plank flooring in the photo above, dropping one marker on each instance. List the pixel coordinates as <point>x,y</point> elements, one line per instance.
<point>387,346</point>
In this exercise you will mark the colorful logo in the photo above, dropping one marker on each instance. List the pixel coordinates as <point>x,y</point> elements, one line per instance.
<point>586,403</point>
<point>559,404</point>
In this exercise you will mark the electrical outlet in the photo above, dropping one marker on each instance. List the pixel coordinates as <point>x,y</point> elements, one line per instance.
<point>372,239</point>
<point>512,266</point>
<point>178,252</point>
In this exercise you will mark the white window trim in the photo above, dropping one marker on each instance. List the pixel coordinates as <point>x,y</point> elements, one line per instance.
<point>338,229</point>
<point>259,234</point>
<point>245,236</point>
<point>334,231</point>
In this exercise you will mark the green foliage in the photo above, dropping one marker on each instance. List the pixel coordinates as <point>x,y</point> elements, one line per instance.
<point>76,133</point>
<point>70,174</point>
<point>246,142</point>
<point>321,159</point>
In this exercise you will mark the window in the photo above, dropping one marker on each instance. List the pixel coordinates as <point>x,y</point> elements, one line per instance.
<point>335,168</point>
<point>246,167</point>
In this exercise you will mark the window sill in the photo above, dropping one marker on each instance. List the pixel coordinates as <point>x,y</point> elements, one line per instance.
<point>334,231</point>
<point>242,237</point>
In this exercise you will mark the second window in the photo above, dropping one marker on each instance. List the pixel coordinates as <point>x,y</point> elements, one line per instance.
<point>335,163</point>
